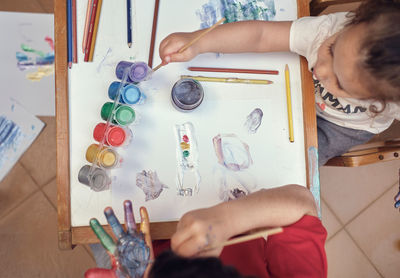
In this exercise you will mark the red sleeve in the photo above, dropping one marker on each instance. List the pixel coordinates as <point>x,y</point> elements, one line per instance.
<point>298,251</point>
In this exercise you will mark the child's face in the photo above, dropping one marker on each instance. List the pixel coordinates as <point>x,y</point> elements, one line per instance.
<point>336,67</point>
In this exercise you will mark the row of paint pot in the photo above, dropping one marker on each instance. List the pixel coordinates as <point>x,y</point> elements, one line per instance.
<point>117,133</point>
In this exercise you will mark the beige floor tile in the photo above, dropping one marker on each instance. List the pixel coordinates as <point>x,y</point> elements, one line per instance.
<point>348,190</point>
<point>377,231</point>
<point>50,190</point>
<point>14,188</point>
<point>329,220</point>
<point>345,260</point>
<point>28,6</point>
<point>40,158</point>
<point>29,244</point>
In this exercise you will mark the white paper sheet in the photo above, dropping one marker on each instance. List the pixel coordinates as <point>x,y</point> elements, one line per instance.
<point>30,29</point>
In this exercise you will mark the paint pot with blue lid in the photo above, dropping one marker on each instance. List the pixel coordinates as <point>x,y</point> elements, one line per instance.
<point>130,94</point>
<point>137,71</point>
<point>187,94</point>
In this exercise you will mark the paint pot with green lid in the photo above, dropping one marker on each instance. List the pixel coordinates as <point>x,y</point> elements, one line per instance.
<point>96,178</point>
<point>123,114</point>
<point>187,94</point>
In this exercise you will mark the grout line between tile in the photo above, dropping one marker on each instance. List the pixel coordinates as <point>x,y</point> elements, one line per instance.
<point>19,204</point>
<point>37,184</point>
<point>45,195</point>
<point>89,252</point>
<point>362,251</point>
<point>364,209</point>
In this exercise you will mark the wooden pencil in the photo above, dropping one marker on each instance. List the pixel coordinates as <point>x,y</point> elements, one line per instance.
<point>74,42</point>
<point>289,104</point>
<point>233,70</point>
<point>87,20</point>
<point>244,238</point>
<point>228,79</point>
<point>69,32</point>
<point>195,39</point>
<point>153,33</point>
<point>129,22</point>
<point>96,26</point>
<point>90,31</point>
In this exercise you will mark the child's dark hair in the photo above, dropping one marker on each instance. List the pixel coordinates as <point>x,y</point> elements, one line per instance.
<point>380,47</point>
<point>170,265</point>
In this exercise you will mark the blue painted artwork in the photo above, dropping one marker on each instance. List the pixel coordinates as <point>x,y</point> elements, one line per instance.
<point>18,129</point>
<point>235,10</point>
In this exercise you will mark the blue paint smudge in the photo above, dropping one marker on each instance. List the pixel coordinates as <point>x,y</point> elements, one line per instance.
<point>313,176</point>
<point>235,10</point>
<point>12,107</point>
<point>33,127</point>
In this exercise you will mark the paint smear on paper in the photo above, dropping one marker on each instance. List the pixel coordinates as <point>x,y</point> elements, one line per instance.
<point>232,152</point>
<point>50,42</point>
<point>313,176</point>
<point>104,60</point>
<point>10,135</point>
<point>40,73</point>
<point>253,121</point>
<point>233,185</point>
<point>188,176</point>
<point>235,10</point>
<point>149,182</point>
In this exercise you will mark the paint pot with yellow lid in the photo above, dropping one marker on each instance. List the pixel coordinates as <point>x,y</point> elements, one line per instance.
<point>94,177</point>
<point>106,157</point>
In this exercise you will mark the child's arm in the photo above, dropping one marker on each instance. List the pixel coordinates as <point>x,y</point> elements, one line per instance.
<point>237,37</point>
<point>280,206</point>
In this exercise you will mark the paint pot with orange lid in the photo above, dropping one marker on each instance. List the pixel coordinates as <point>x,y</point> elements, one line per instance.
<point>115,136</point>
<point>96,178</point>
<point>106,157</point>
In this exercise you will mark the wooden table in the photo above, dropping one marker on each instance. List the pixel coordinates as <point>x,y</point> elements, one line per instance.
<point>69,236</point>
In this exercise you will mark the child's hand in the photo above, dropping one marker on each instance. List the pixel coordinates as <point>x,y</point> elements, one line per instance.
<point>171,45</point>
<point>199,229</point>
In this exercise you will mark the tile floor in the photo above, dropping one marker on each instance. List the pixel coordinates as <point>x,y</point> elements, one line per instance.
<point>357,208</point>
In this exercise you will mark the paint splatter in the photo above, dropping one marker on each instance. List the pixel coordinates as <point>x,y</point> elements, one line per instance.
<point>27,48</point>
<point>10,137</point>
<point>232,152</point>
<point>149,182</point>
<point>187,159</point>
<point>253,121</point>
<point>40,73</point>
<point>235,10</point>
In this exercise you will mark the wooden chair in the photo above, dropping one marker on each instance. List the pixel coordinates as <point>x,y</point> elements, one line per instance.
<point>384,146</point>
<point>317,6</point>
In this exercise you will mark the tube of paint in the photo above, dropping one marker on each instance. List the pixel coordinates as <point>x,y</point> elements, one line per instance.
<point>187,94</point>
<point>106,157</point>
<point>115,136</point>
<point>130,94</point>
<point>138,71</point>
<point>123,114</point>
<point>97,180</point>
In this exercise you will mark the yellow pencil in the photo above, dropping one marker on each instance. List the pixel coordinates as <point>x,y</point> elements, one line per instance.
<point>228,80</point>
<point>96,26</point>
<point>289,103</point>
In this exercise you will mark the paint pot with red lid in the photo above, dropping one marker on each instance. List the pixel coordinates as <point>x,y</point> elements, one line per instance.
<point>115,136</point>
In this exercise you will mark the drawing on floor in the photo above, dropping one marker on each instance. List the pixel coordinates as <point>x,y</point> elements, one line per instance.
<point>151,185</point>
<point>253,121</point>
<point>235,10</point>
<point>18,129</point>
<point>33,59</point>
<point>188,176</point>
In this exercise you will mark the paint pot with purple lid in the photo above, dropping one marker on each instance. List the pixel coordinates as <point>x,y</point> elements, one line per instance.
<point>97,179</point>
<point>187,94</point>
<point>137,71</point>
<point>130,93</point>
